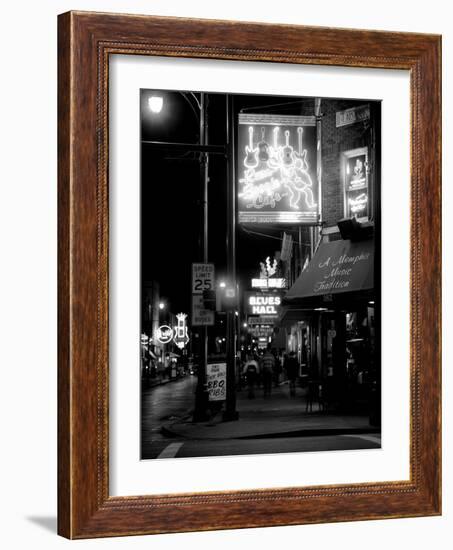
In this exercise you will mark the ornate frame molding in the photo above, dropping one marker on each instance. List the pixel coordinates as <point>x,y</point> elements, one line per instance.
<point>86,40</point>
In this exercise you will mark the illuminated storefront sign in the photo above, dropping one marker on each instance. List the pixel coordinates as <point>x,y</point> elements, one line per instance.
<point>164,334</point>
<point>355,177</point>
<point>358,205</point>
<point>181,336</point>
<point>276,169</point>
<point>269,283</point>
<point>261,331</point>
<point>257,303</point>
<point>270,275</point>
<point>260,320</point>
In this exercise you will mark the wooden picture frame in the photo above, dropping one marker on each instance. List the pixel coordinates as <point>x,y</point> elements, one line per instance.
<point>85,508</point>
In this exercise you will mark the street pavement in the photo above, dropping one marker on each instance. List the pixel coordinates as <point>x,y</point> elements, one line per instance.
<point>229,447</point>
<point>266,425</point>
<point>163,404</point>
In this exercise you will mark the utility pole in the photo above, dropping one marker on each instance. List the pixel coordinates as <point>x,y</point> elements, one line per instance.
<point>230,405</point>
<point>204,150</point>
<point>201,392</point>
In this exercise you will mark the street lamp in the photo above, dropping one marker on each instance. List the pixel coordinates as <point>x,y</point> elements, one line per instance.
<point>156,103</point>
<point>198,104</point>
<point>161,305</point>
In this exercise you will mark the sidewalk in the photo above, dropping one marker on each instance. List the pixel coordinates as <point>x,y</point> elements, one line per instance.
<point>158,381</point>
<point>277,416</point>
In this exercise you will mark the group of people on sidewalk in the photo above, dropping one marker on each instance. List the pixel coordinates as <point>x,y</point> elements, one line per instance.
<point>267,369</point>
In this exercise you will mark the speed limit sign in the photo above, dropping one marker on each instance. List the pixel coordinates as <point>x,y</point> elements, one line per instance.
<point>202,278</point>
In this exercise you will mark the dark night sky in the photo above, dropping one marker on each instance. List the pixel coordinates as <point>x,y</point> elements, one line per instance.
<point>171,193</point>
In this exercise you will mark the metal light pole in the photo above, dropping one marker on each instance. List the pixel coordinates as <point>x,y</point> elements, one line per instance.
<point>204,150</point>
<point>230,405</point>
<point>201,393</point>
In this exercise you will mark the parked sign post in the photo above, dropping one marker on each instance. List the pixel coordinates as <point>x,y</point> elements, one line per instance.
<point>203,278</point>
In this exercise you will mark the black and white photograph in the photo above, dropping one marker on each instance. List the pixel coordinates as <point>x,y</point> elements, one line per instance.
<point>224,289</point>
<point>260,274</point>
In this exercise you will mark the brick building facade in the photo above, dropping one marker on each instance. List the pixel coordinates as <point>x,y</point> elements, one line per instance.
<point>335,335</point>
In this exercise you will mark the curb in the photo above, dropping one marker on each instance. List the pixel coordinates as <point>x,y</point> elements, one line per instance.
<point>314,432</point>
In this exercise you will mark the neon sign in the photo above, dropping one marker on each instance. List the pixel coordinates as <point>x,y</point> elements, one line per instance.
<point>257,303</point>
<point>181,336</point>
<point>268,269</point>
<point>275,173</point>
<point>358,179</point>
<point>356,170</point>
<point>358,204</point>
<point>269,283</point>
<point>270,274</point>
<point>164,334</point>
<point>261,331</point>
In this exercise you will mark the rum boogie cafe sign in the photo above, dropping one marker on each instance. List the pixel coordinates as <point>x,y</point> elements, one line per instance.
<point>339,266</point>
<point>276,168</point>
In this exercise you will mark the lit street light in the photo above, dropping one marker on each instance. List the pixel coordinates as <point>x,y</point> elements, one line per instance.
<point>155,103</point>
<point>198,103</point>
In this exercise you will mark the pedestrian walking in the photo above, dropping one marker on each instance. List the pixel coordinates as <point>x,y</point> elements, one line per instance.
<point>267,369</point>
<point>277,368</point>
<point>251,375</point>
<point>292,370</point>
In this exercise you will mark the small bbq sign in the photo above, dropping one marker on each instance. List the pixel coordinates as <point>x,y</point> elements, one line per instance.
<point>216,381</point>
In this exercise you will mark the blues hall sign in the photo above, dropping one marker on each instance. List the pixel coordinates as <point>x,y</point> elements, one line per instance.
<point>276,167</point>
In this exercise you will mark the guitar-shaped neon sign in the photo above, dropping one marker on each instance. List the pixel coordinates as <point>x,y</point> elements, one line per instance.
<point>251,159</point>
<point>287,153</point>
<point>263,148</point>
<point>301,182</point>
<point>274,161</point>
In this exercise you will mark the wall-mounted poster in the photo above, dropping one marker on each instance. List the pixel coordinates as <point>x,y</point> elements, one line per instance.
<point>276,169</point>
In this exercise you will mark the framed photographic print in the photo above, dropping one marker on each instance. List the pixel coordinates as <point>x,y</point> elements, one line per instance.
<point>249,275</point>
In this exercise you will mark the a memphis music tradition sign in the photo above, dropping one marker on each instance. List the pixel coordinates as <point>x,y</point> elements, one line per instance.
<point>339,266</point>
<point>276,167</point>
